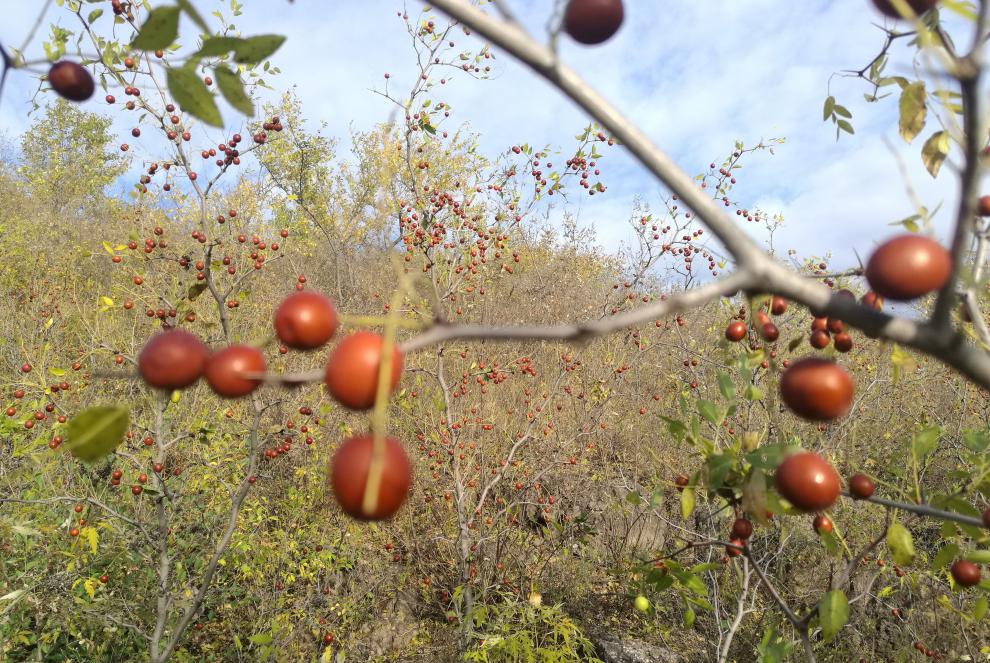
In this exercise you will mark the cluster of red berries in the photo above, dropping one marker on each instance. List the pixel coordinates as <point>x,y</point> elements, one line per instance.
<point>305,320</point>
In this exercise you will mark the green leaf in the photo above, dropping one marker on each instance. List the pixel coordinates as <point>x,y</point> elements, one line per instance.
<point>95,432</point>
<point>725,386</point>
<point>232,90</point>
<point>633,497</point>
<point>978,556</point>
<point>925,441</point>
<point>845,126</point>
<point>833,613</point>
<point>934,151</point>
<point>708,410</point>
<point>980,608</point>
<point>688,617</point>
<point>842,111</point>
<point>753,393</point>
<point>214,46</point>
<point>675,427</point>
<point>947,553</point>
<point>191,11</point>
<point>93,15</point>
<point>900,543</point>
<point>912,111</point>
<point>191,93</point>
<point>195,290</point>
<point>261,638</point>
<point>160,29</point>
<point>687,502</point>
<point>829,107</point>
<point>976,440</point>
<point>255,49</point>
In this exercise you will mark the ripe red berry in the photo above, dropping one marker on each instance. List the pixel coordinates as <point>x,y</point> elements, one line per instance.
<point>843,342</point>
<point>349,468</point>
<point>819,339</point>
<point>736,331</point>
<point>778,305</point>
<point>822,524</point>
<point>807,481</point>
<point>965,573</point>
<point>172,359</point>
<point>71,80</point>
<point>742,529</point>
<point>887,8</point>
<point>817,389</point>
<point>733,551</point>
<point>352,370</point>
<point>225,370</point>
<point>907,267</point>
<point>986,517</point>
<point>983,206</point>
<point>872,300</point>
<point>861,487</point>
<point>25,367</point>
<point>305,320</point>
<point>770,331</point>
<point>592,21</point>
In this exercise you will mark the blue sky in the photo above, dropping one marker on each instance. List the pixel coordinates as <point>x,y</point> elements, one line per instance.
<point>696,75</point>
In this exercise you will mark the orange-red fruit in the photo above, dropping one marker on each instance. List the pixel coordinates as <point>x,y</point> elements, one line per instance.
<point>305,320</point>
<point>742,529</point>
<point>822,524</point>
<point>983,206</point>
<point>872,300</point>
<point>807,481</point>
<point>778,305</point>
<point>819,339</point>
<point>172,359</point>
<point>352,370</point>
<point>735,552</point>
<point>965,573</point>
<point>225,370</point>
<point>843,342</point>
<point>71,80</point>
<point>592,21</point>
<point>887,8</point>
<point>349,469</point>
<point>907,267</point>
<point>770,331</point>
<point>986,517</point>
<point>861,487</point>
<point>817,389</point>
<point>736,331</point>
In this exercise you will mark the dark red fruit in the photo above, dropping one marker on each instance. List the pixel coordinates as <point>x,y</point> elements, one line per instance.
<point>225,370</point>
<point>349,468</point>
<point>593,21</point>
<point>986,517</point>
<point>843,342</point>
<point>736,331</point>
<point>778,305</point>
<point>872,300</point>
<point>907,267</point>
<point>983,206</point>
<point>742,529</point>
<point>807,481</point>
<point>733,551</point>
<point>71,80</point>
<point>861,487</point>
<point>770,331</point>
<point>965,573</point>
<point>305,320</point>
<point>822,524</point>
<point>817,389</point>
<point>887,8</point>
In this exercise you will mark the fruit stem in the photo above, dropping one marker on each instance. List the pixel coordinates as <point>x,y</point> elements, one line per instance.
<point>372,486</point>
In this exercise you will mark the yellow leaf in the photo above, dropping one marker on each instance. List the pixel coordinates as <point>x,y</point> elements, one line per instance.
<point>92,536</point>
<point>106,301</point>
<point>90,586</point>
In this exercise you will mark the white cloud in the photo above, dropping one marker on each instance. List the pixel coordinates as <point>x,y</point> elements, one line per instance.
<point>695,75</point>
